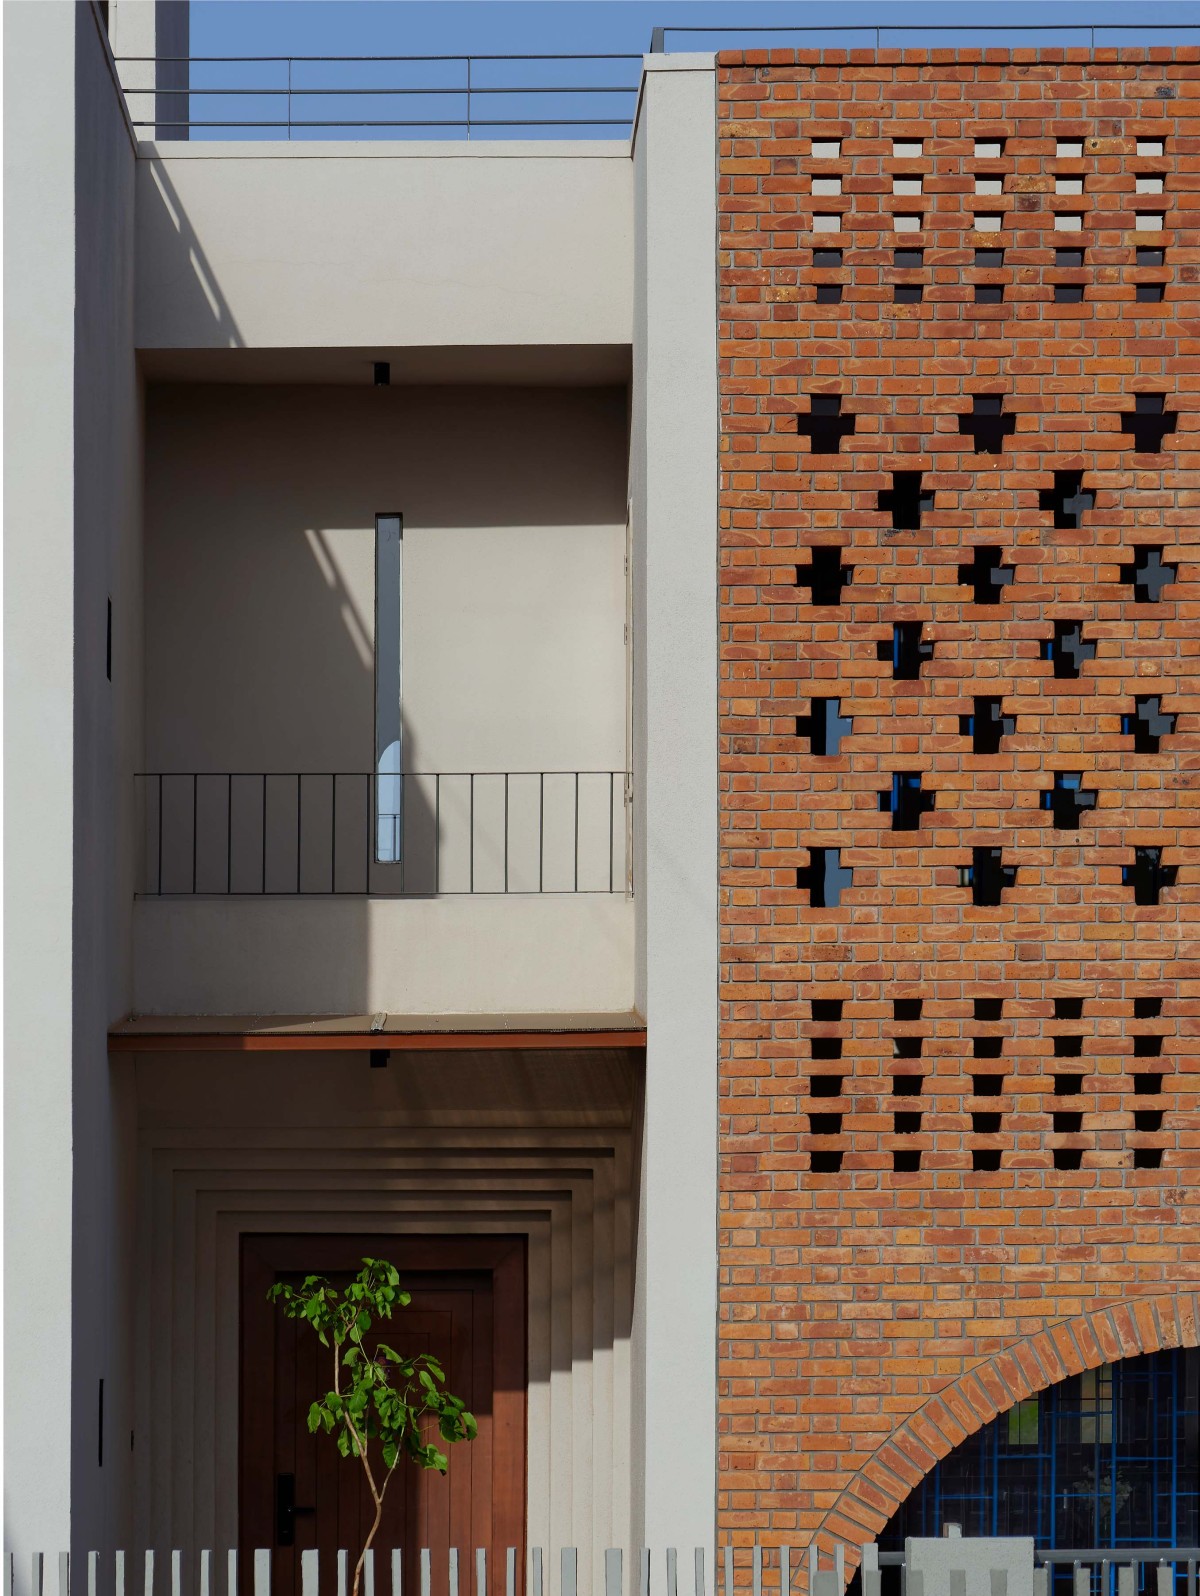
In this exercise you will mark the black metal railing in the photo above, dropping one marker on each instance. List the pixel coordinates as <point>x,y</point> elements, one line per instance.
<point>321,833</point>
<point>397,95</point>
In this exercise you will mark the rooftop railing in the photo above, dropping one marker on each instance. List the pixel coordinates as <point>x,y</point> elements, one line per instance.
<point>506,95</point>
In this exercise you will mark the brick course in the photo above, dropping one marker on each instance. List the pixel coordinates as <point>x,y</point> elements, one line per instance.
<point>871,1316</point>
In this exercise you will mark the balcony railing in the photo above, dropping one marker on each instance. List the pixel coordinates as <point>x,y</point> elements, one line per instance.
<point>315,833</point>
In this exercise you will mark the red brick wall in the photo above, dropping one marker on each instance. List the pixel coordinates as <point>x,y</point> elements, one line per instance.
<point>852,1300</point>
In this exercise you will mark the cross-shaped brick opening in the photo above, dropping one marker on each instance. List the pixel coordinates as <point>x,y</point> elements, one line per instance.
<point>1068,649</point>
<point>1149,421</point>
<point>1147,875</point>
<point>905,801</point>
<point>824,726</point>
<point>824,877</point>
<point>987,425</point>
<point>825,576</point>
<point>1068,799</point>
<point>906,652</point>
<point>1147,574</point>
<point>905,501</point>
<point>825,424</point>
<point>987,876</point>
<point>1147,724</point>
<point>984,574</point>
<point>986,725</point>
<point>1067,499</point>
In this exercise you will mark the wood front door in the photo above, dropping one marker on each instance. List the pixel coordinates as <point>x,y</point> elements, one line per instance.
<point>295,1492</point>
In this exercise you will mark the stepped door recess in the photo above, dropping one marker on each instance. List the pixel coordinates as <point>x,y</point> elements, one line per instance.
<point>296,1492</point>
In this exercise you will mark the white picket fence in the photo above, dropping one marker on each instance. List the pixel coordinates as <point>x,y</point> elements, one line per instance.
<point>643,1573</point>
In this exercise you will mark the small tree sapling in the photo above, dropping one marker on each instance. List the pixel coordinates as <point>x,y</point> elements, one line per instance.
<point>378,1397</point>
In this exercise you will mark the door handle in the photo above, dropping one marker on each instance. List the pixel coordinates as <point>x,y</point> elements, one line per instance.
<point>286,1511</point>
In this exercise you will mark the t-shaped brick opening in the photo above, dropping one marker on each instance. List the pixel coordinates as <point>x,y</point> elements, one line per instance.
<point>1068,800</point>
<point>1147,724</point>
<point>825,424</point>
<point>986,424</point>
<point>987,876</point>
<point>985,575</point>
<point>1148,876</point>
<point>906,651</point>
<point>824,877</point>
<point>825,575</point>
<point>905,501</point>
<point>1149,422</point>
<point>905,800</point>
<point>986,725</point>
<point>1068,649</point>
<point>1067,500</point>
<point>825,726</point>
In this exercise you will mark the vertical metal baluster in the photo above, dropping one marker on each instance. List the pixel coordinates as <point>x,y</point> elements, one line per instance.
<point>424,1571</point>
<point>299,823</point>
<point>398,822</point>
<point>612,783</point>
<point>756,1565</point>
<point>728,1568</point>
<point>176,1573</point>
<point>480,1571</point>
<point>397,1573</point>
<point>262,1571</point>
<point>119,1575</point>
<point>264,833</point>
<point>195,825</point>
<point>332,831</point>
<point>1191,1577</point>
<point>613,1581</point>
<point>148,1574</point>
<point>785,1570</point>
<point>160,831</point>
<point>93,1575</point>
<point>310,1572</point>
<point>437,833</point>
<point>644,1572</point>
<point>541,827</point>
<point>673,1572</point>
<point>368,1584</point>
<point>506,831</point>
<point>699,1575</point>
<point>206,1574</point>
<point>229,834</point>
<point>471,835</point>
<point>510,1571</point>
<point>231,1574</point>
<point>576,831</point>
<point>468,99</point>
<point>289,98</point>
<point>454,1571</point>
<point>568,1577</point>
<point>370,830</point>
<point>537,1571</point>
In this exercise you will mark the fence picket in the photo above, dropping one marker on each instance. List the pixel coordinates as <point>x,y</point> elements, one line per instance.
<point>309,1573</point>
<point>262,1572</point>
<point>612,1572</point>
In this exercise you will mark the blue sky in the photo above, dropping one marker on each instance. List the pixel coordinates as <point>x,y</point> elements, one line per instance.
<point>444,27</point>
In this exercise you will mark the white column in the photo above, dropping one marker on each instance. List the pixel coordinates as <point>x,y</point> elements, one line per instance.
<point>39,524</point>
<point>674,475</point>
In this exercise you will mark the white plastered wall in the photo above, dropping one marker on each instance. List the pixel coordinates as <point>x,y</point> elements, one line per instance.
<point>72,513</point>
<point>674,474</point>
<point>382,244</point>
<point>537,1145</point>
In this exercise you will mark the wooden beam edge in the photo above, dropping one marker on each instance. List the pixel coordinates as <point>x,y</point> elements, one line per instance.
<point>365,1041</point>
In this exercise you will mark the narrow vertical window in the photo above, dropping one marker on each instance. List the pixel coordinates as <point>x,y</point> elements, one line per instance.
<point>389,544</point>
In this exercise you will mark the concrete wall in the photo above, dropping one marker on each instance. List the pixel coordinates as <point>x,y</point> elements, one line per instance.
<point>71,503</point>
<point>381,244</point>
<point>39,284</point>
<point>674,499</point>
<point>108,736</point>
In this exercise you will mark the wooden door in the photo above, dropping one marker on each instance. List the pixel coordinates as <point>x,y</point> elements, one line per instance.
<point>468,1309</point>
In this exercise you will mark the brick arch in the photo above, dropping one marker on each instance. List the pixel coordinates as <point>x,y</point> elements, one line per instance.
<point>1122,1329</point>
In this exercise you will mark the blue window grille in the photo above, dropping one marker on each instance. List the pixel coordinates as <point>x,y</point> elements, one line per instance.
<point>1108,1458</point>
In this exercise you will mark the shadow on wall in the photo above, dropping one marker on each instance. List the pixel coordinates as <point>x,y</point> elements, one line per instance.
<point>194,272</point>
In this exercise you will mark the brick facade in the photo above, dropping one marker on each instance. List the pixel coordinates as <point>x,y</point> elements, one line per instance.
<point>886,1288</point>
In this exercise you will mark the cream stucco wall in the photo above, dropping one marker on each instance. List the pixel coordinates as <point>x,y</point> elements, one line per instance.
<point>379,244</point>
